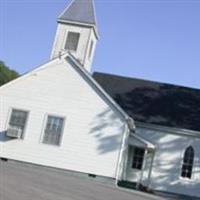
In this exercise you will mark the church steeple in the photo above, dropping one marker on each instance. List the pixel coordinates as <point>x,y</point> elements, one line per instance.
<point>77,32</point>
<point>80,11</point>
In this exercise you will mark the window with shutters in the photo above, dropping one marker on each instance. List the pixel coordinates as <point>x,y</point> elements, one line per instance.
<point>17,123</point>
<point>72,41</point>
<point>138,157</point>
<point>187,165</point>
<point>53,130</point>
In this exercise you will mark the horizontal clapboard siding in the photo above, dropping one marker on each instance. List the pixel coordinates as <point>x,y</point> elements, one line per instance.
<point>166,172</point>
<point>93,129</point>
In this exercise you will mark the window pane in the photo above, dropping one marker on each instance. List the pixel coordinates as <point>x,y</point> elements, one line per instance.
<point>138,158</point>
<point>188,160</point>
<point>53,130</point>
<point>72,41</point>
<point>183,174</point>
<point>18,121</point>
<point>18,117</point>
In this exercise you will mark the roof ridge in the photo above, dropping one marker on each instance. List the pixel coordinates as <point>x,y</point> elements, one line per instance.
<point>146,80</point>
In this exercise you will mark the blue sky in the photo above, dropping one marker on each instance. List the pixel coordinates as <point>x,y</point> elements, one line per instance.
<point>150,39</point>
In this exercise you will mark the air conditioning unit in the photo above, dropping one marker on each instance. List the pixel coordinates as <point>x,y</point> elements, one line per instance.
<point>14,132</point>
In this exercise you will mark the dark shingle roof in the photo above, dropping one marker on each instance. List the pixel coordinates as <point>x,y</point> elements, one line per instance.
<point>154,102</point>
<point>80,11</point>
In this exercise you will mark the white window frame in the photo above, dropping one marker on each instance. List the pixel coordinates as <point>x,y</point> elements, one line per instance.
<point>66,37</point>
<point>142,163</point>
<point>44,127</point>
<point>26,123</point>
<point>182,163</point>
<point>131,156</point>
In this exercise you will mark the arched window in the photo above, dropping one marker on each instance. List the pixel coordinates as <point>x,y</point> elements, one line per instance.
<point>188,160</point>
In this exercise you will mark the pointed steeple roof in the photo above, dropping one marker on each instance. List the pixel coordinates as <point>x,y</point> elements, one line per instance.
<point>79,11</point>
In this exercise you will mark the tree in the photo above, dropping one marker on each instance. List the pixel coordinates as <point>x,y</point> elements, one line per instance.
<point>6,74</point>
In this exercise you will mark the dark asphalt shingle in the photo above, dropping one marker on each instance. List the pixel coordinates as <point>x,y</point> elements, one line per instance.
<point>154,102</point>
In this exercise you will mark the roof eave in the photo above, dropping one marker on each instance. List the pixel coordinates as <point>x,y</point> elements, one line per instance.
<point>101,90</point>
<point>93,26</point>
<point>168,129</point>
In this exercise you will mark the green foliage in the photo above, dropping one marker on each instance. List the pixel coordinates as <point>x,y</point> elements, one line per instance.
<point>6,74</point>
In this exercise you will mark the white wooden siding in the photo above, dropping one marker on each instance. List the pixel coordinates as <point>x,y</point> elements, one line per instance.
<point>166,174</point>
<point>93,129</point>
<point>86,35</point>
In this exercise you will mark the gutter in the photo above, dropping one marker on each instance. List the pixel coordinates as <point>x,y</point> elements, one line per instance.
<point>169,130</point>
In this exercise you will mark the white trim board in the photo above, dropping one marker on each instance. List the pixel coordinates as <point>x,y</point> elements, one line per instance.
<point>167,129</point>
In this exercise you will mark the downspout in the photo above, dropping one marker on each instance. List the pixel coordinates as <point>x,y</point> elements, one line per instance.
<point>143,168</point>
<point>128,128</point>
<point>129,122</point>
<point>150,171</point>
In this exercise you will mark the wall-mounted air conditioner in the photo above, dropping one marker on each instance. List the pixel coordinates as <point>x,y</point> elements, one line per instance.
<point>14,132</point>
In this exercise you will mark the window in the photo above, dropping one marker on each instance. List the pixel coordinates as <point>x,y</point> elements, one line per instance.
<point>90,51</point>
<point>17,123</point>
<point>53,130</point>
<point>72,41</point>
<point>188,160</point>
<point>138,156</point>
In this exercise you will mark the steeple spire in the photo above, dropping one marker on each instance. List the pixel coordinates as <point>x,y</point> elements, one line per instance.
<point>79,11</point>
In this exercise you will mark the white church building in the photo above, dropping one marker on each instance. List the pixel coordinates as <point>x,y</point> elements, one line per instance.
<point>130,130</point>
